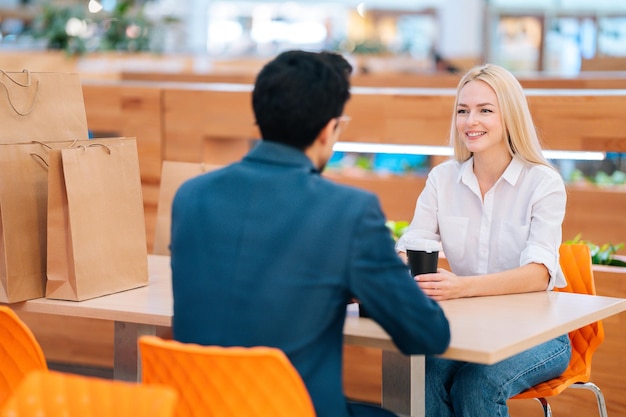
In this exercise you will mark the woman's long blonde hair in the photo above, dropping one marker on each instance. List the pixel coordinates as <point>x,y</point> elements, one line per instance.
<point>517,122</point>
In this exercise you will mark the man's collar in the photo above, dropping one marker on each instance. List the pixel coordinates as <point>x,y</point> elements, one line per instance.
<point>279,154</point>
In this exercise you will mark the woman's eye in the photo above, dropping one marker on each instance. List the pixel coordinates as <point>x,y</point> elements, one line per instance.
<point>461,111</point>
<point>486,111</point>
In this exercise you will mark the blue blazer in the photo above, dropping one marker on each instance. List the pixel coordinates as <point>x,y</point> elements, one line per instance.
<point>268,252</point>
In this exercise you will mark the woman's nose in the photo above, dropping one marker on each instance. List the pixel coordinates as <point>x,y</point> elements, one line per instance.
<point>471,118</point>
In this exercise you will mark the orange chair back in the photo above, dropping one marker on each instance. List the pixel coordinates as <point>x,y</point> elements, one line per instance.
<point>577,267</point>
<point>56,394</point>
<point>20,352</point>
<point>214,381</point>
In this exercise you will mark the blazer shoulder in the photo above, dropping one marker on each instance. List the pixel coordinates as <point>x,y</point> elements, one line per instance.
<point>349,191</point>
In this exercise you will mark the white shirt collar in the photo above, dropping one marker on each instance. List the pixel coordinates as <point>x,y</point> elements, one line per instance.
<point>511,173</point>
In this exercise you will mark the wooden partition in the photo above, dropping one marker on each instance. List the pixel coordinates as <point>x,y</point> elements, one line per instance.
<point>214,123</point>
<point>132,111</point>
<point>599,73</point>
<point>604,63</point>
<point>207,122</point>
<point>584,80</point>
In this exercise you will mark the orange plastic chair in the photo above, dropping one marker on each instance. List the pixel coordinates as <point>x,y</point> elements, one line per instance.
<point>20,352</point>
<point>577,267</point>
<point>56,394</point>
<point>215,381</point>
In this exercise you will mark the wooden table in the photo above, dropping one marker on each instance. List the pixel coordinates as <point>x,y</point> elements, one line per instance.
<point>484,329</point>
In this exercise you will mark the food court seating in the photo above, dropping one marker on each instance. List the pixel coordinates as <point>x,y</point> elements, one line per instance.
<point>226,381</point>
<point>56,394</point>
<point>576,265</point>
<point>20,353</point>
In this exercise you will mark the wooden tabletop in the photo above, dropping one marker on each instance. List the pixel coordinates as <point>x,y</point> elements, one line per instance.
<point>484,329</point>
<point>151,305</point>
<point>489,329</point>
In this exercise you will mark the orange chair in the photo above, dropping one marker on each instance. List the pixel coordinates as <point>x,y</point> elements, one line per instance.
<point>214,381</point>
<point>20,352</point>
<point>56,394</point>
<point>576,265</point>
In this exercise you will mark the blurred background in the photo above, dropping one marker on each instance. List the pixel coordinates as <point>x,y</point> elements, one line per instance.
<point>554,36</point>
<point>387,40</point>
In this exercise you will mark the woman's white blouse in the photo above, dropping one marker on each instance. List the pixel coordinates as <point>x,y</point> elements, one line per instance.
<point>519,221</point>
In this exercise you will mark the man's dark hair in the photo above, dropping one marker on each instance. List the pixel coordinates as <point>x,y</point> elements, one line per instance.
<point>297,93</point>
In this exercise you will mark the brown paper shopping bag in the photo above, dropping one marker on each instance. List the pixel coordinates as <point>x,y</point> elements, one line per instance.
<point>173,174</point>
<point>23,200</point>
<point>96,230</point>
<point>41,106</point>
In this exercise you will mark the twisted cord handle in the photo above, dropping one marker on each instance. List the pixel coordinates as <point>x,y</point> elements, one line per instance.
<point>28,83</point>
<point>91,145</point>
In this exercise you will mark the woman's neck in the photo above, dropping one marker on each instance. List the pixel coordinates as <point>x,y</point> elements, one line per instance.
<point>489,168</point>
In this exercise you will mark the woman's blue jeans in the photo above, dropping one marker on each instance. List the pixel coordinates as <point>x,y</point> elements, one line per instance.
<point>463,389</point>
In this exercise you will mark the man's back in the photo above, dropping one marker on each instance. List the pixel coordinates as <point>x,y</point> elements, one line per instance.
<point>267,252</point>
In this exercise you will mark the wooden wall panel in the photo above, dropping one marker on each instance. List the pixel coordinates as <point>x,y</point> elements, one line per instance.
<point>390,116</point>
<point>397,194</point>
<point>71,340</point>
<point>131,111</point>
<point>598,214</point>
<point>585,80</point>
<point>566,121</point>
<point>200,124</point>
<point>586,121</point>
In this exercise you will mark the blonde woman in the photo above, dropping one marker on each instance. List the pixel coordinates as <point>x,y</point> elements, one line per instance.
<point>497,209</point>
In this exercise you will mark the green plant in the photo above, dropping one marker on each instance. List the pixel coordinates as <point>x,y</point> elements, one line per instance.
<point>601,178</point>
<point>601,255</point>
<point>76,31</point>
<point>397,228</point>
<point>127,29</point>
<point>51,25</point>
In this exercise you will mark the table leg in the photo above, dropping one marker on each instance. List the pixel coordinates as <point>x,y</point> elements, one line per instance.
<point>403,383</point>
<point>126,361</point>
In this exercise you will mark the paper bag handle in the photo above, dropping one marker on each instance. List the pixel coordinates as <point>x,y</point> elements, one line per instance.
<point>97,144</point>
<point>40,159</point>
<point>27,84</point>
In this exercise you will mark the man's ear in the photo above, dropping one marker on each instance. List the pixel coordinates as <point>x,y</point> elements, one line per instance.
<point>327,131</point>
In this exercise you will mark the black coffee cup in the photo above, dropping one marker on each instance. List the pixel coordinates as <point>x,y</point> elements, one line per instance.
<point>423,256</point>
<point>363,312</point>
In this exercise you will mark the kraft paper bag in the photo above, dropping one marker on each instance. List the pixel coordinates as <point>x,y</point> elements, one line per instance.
<point>41,106</point>
<point>173,174</point>
<point>96,241</point>
<point>23,200</point>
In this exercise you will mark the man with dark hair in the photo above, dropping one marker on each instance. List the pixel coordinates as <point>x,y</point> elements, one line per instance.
<point>266,252</point>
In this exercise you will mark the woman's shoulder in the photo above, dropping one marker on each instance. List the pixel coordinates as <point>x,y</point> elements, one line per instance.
<point>543,177</point>
<point>544,171</point>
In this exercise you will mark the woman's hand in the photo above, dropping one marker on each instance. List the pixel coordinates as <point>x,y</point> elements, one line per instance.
<point>442,285</point>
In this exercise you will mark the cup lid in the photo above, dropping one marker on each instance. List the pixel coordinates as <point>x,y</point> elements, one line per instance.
<point>427,245</point>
